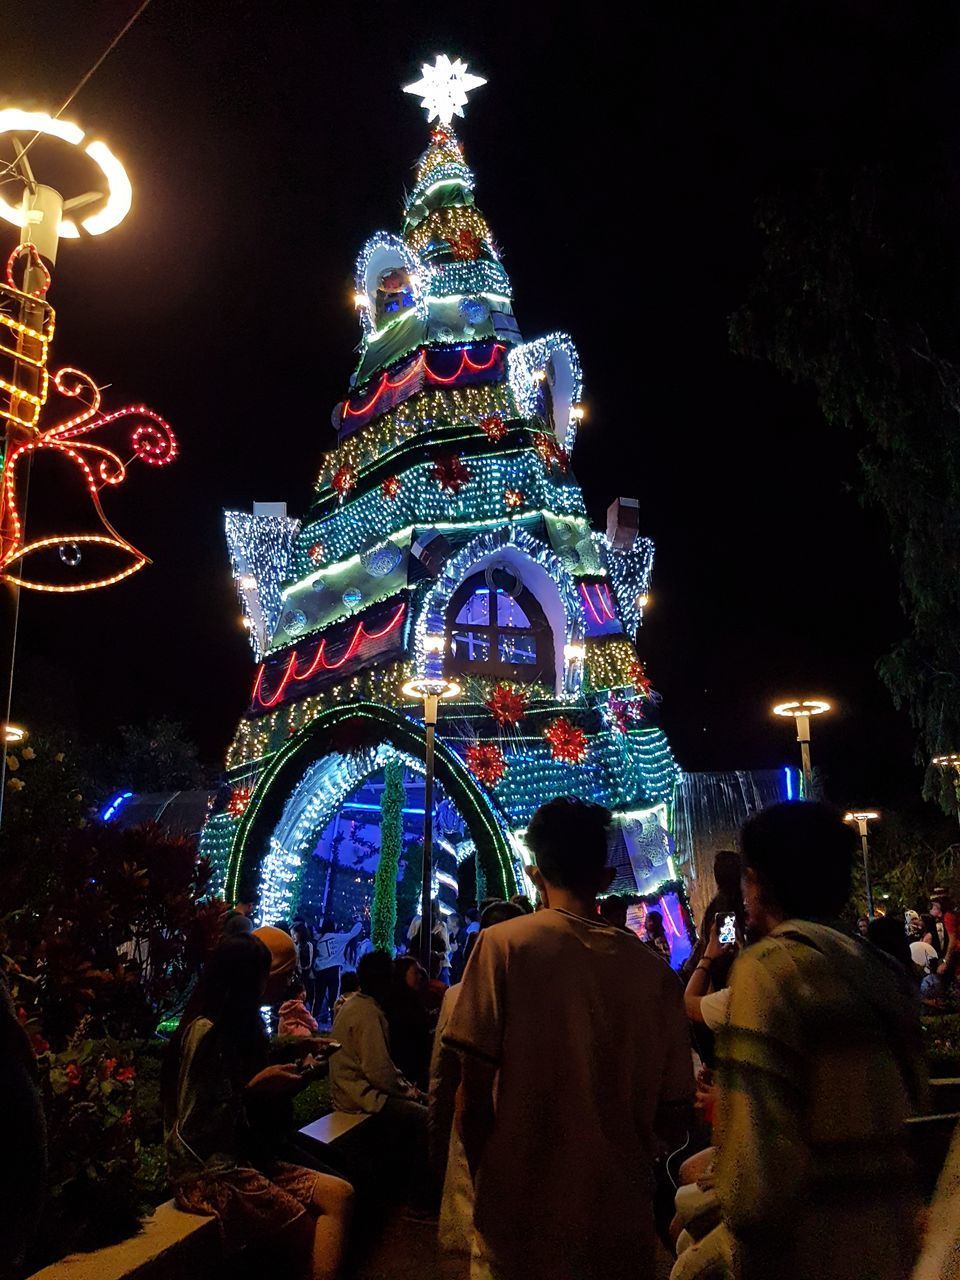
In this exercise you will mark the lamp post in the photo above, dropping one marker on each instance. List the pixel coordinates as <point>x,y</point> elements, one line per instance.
<point>800,710</point>
<point>863,818</point>
<point>428,689</point>
<point>951,761</point>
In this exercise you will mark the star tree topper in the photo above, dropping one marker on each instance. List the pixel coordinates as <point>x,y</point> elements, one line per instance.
<point>443,88</point>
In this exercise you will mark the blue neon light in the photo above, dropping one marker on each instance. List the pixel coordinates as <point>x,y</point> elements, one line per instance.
<point>113,808</point>
<point>355,804</point>
<point>789,778</point>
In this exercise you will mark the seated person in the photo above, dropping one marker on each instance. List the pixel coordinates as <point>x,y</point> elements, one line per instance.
<point>363,1075</point>
<point>216,1069</point>
<point>295,1018</point>
<point>349,986</point>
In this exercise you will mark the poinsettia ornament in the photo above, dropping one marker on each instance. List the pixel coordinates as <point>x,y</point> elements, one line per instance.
<point>568,743</point>
<point>506,705</point>
<point>485,761</point>
<point>450,473</point>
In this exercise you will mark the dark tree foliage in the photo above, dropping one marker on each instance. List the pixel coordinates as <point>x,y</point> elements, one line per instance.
<point>857,295</point>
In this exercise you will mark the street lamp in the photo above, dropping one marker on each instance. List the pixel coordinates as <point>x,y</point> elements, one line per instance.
<point>801,710</point>
<point>429,690</point>
<point>863,818</point>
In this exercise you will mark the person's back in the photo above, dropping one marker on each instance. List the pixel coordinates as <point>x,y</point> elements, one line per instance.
<point>586,1030</point>
<point>819,1070</point>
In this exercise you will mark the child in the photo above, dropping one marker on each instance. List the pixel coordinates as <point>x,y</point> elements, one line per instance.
<point>349,986</point>
<point>295,1018</point>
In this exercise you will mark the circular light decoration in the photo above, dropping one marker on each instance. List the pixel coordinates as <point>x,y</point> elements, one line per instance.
<point>352,596</point>
<point>473,310</point>
<point>427,687</point>
<point>70,554</point>
<point>119,193</point>
<point>380,562</point>
<point>295,620</point>
<point>802,707</point>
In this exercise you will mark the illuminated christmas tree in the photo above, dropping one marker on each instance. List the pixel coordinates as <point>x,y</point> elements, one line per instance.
<point>448,535</point>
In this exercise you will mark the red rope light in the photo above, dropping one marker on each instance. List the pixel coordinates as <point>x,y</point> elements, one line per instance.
<point>320,659</point>
<point>421,364</point>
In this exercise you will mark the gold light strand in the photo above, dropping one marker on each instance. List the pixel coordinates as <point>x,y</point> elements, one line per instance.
<point>448,224</point>
<point>430,411</point>
<point>608,663</point>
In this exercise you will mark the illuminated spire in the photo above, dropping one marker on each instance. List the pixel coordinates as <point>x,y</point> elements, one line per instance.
<point>443,88</point>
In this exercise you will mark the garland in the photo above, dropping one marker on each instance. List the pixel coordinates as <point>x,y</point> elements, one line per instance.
<point>383,912</point>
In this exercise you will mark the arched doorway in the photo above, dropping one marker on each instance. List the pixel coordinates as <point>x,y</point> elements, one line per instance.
<point>328,759</point>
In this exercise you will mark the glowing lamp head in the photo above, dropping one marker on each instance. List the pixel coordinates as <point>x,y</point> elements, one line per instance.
<point>861,815</point>
<point>248,582</point>
<point>435,644</point>
<point>13,734</point>
<point>949,761</point>
<point>360,300</point>
<point>118,194</point>
<point>578,413</point>
<point>423,687</point>
<point>574,652</point>
<point>802,707</point>
<point>643,599</point>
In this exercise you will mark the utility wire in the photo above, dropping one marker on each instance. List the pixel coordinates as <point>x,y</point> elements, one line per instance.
<point>11,165</point>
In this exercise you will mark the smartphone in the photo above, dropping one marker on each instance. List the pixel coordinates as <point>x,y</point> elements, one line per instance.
<point>727,933</point>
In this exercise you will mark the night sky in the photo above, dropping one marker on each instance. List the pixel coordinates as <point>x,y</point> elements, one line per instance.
<point>618,161</point>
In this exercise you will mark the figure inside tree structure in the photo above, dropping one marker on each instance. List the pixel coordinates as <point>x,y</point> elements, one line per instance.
<point>448,535</point>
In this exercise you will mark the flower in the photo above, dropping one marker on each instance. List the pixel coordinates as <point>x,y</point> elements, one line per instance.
<point>38,1044</point>
<point>73,1075</point>
<point>15,784</point>
<point>28,753</point>
<point>107,1067</point>
<point>390,487</point>
<point>13,764</point>
<point>513,498</point>
<point>59,757</point>
<point>127,1117</point>
<point>123,1074</point>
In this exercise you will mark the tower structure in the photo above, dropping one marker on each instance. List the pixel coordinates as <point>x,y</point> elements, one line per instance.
<point>447,535</point>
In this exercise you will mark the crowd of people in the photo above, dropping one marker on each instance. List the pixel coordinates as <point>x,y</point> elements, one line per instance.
<point>562,1098</point>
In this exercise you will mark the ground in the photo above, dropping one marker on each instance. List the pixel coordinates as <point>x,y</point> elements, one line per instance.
<point>408,1250</point>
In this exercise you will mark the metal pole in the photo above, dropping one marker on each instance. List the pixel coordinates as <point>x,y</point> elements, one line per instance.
<point>865,845</point>
<point>803,737</point>
<point>426,923</point>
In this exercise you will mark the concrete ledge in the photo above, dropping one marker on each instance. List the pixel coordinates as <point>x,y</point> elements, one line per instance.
<point>174,1244</point>
<point>171,1244</point>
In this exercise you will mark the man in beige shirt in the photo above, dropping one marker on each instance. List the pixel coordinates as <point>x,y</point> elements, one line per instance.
<point>576,1059</point>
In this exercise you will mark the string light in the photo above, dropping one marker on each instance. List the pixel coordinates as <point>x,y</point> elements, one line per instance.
<point>630,572</point>
<point>320,661</point>
<point>528,366</point>
<point>419,372</point>
<point>152,441</point>
<point>261,548</point>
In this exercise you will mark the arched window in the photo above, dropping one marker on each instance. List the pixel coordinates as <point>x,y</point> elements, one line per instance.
<point>497,628</point>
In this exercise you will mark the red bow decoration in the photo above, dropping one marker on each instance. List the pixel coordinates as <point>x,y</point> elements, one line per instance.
<point>494,426</point>
<point>151,440</point>
<point>485,761</point>
<point>344,478</point>
<point>639,679</point>
<point>465,244</point>
<point>450,473</point>
<point>550,453</point>
<point>567,742</point>
<point>508,706</point>
<point>239,799</point>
